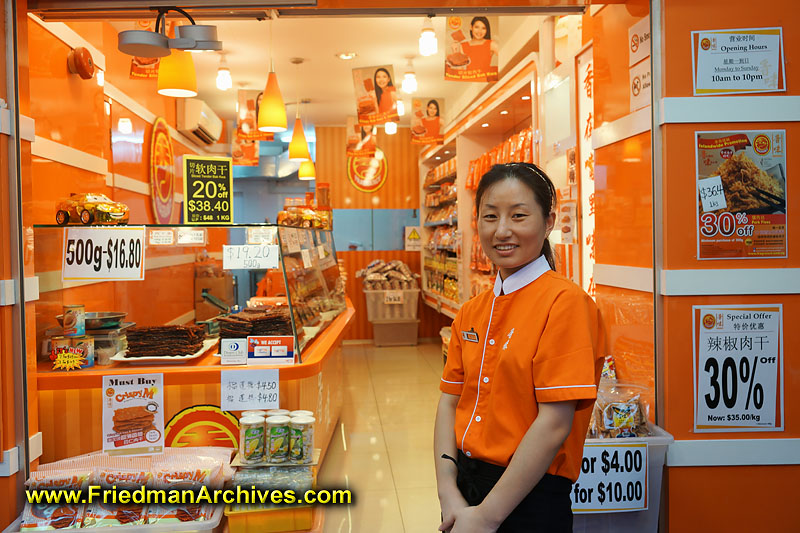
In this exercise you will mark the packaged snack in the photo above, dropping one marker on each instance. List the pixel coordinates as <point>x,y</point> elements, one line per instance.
<point>609,368</point>
<point>45,517</point>
<point>252,439</point>
<point>278,438</point>
<point>303,433</point>
<point>179,473</point>
<point>109,476</point>
<point>619,411</point>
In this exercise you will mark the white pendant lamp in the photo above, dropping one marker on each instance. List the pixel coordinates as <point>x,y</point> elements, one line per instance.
<point>428,44</point>
<point>224,80</point>
<point>401,108</point>
<point>409,84</point>
<point>390,127</point>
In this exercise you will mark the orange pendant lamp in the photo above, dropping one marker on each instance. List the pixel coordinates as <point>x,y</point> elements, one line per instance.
<point>298,147</point>
<point>272,113</point>
<point>307,171</point>
<point>176,75</point>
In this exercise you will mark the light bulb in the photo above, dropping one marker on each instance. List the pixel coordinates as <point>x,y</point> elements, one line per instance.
<point>224,80</point>
<point>391,128</point>
<point>125,126</point>
<point>409,83</point>
<point>401,108</point>
<point>101,78</point>
<point>428,44</point>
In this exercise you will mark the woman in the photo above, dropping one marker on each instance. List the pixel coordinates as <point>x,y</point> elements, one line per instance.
<point>384,91</point>
<point>522,372</point>
<point>432,121</point>
<point>480,47</point>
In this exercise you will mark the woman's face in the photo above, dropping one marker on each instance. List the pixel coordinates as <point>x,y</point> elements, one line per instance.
<point>367,130</point>
<point>432,110</point>
<point>382,79</point>
<point>511,225</point>
<point>478,30</point>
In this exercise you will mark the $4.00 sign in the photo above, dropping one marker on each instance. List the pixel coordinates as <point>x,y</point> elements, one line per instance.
<point>109,254</point>
<point>613,478</point>
<point>738,368</point>
<point>207,190</point>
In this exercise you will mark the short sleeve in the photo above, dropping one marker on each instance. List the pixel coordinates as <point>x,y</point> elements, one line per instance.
<point>568,361</point>
<point>453,375</point>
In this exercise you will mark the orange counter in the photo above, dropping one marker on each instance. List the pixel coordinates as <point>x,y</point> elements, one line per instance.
<point>70,404</point>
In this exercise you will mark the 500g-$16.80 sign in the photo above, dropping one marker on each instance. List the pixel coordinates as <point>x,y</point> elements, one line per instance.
<point>103,254</point>
<point>613,478</point>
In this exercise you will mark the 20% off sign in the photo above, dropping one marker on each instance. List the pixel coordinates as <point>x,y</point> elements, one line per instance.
<point>613,478</point>
<point>108,254</point>
<point>208,190</point>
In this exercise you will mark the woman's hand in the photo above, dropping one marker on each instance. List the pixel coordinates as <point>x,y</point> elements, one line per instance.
<point>473,520</point>
<point>451,505</point>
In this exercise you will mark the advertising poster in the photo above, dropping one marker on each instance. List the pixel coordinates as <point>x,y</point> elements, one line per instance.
<point>244,152</point>
<point>207,190</point>
<point>145,68</point>
<point>376,94</point>
<point>427,126</point>
<point>133,414</point>
<point>471,53</point>
<point>741,194</point>
<point>740,61</point>
<point>738,368</point>
<point>248,103</point>
<point>360,138</point>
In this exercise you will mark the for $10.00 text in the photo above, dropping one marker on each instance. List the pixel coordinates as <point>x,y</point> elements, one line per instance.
<point>613,478</point>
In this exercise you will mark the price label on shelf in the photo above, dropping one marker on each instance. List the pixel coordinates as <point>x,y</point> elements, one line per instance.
<point>107,254</point>
<point>711,193</point>
<point>192,237</point>
<point>266,235</point>
<point>321,251</point>
<point>738,368</point>
<point>306,255</point>
<point>249,256</point>
<point>207,190</point>
<point>292,244</point>
<point>250,389</point>
<point>393,297</point>
<point>161,237</point>
<point>613,478</point>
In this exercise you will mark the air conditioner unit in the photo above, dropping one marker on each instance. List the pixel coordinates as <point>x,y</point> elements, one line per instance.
<point>197,121</point>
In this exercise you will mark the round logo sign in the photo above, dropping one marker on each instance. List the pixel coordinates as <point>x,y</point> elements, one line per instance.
<point>709,321</point>
<point>762,144</point>
<point>454,22</point>
<point>705,44</point>
<point>368,174</point>
<point>162,172</point>
<point>202,425</point>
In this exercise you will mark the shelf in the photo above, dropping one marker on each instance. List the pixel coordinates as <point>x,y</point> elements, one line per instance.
<point>446,222</point>
<point>435,185</point>
<point>443,305</point>
<point>443,203</point>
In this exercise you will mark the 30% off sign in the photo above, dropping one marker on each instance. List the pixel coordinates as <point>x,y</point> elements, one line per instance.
<point>613,478</point>
<point>738,359</point>
<point>108,254</point>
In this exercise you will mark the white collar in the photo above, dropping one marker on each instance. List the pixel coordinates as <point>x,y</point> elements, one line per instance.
<point>522,277</point>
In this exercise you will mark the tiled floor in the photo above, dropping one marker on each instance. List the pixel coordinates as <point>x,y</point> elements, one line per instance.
<point>383,448</point>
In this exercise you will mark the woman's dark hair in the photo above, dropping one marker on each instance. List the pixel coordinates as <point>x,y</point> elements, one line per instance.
<point>434,102</point>
<point>536,180</point>
<point>378,90</point>
<point>364,131</point>
<point>258,105</point>
<point>485,23</point>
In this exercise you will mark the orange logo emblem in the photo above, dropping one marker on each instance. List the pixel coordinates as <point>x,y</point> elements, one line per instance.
<point>705,44</point>
<point>762,144</point>
<point>368,174</point>
<point>709,321</point>
<point>202,425</point>
<point>162,172</point>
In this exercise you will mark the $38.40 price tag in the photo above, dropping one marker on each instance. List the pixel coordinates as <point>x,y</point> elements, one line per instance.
<point>613,478</point>
<point>99,253</point>
<point>250,256</point>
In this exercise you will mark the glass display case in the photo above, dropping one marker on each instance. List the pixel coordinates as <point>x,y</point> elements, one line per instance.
<point>159,295</point>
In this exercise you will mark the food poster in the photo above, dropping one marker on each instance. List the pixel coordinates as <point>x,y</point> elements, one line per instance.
<point>247,105</point>
<point>145,68</point>
<point>427,124</point>
<point>244,152</point>
<point>361,138</point>
<point>741,194</point>
<point>471,53</point>
<point>740,61</point>
<point>376,94</point>
<point>133,414</point>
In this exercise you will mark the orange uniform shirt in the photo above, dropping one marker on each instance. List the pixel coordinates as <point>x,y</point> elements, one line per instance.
<point>540,340</point>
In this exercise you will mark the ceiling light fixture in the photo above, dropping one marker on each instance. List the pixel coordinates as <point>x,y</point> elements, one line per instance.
<point>526,97</point>
<point>101,78</point>
<point>224,80</point>
<point>446,152</point>
<point>298,147</point>
<point>194,37</point>
<point>272,113</point>
<point>125,126</point>
<point>485,125</point>
<point>176,75</point>
<point>504,112</point>
<point>346,56</point>
<point>307,171</point>
<point>438,158</point>
<point>401,108</point>
<point>409,84</point>
<point>428,44</point>
<point>390,127</point>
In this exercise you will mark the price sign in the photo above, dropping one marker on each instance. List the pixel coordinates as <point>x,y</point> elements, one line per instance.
<point>192,237</point>
<point>711,194</point>
<point>207,190</point>
<point>321,251</point>
<point>249,256</point>
<point>250,389</point>
<point>613,478</point>
<point>108,254</point>
<point>267,235</point>
<point>393,297</point>
<point>161,237</point>
<point>738,368</point>
<point>291,239</point>
<point>306,255</point>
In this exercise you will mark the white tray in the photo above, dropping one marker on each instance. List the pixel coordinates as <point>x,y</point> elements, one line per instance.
<point>207,345</point>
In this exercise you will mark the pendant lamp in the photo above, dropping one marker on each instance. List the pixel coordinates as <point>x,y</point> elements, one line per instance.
<point>307,171</point>
<point>272,113</point>
<point>298,148</point>
<point>176,75</point>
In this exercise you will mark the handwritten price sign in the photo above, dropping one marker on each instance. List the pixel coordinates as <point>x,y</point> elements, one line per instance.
<point>108,254</point>
<point>250,256</point>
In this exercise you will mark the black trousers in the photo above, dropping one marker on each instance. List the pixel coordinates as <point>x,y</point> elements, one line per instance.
<point>546,509</point>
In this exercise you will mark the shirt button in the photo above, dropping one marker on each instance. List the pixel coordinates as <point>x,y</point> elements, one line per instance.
<point>486,380</point>
<point>491,342</point>
<point>477,418</point>
<point>469,454</point>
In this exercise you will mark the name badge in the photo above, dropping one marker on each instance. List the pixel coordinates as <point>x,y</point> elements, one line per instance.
<point>470,336</point>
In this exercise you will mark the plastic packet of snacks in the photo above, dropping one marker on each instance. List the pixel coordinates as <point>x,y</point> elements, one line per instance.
<point>104,513</point>
<point>609,368</point>
<point>47,516</point>
<point>619,411</point>
<point>181,472</point>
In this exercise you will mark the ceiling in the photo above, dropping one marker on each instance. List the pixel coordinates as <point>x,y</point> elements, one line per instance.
<point>324,78</point>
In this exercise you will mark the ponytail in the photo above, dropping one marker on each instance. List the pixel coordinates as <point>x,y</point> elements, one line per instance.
<point>547,252</point>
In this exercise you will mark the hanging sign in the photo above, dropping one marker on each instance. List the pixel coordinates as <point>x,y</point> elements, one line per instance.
<point>145,68</point>
<point>162,172</point>
<point>244,152</point>
<point>738,368</point>
<point>249,102</point>
<point>360,138</point>
<point>472,48</point>
<point>103,254</point>
<point>427,126</point>
<point>207,190</point>
<point>613,478</point>
<point>368,174</point>
<point>376,94</point>
<point>133,414</point>
<point>250,389</point>
<point>741,194</point>
<point>738,61</point>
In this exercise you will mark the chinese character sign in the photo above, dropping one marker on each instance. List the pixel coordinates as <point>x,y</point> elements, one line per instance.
<point>738,368</point>
<point>585,167</point>
<point>249,389</point>
<point>133,414</point>
<point>207,190</point>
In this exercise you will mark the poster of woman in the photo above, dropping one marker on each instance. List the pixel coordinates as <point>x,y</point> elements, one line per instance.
<point>376,95</point>
<point>360,139</point>
<point>249,101</point>
<point>244,152</point>
<point>427,126</point>
<point>471,49</point>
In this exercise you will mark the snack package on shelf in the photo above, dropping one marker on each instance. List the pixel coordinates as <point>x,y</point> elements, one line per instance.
<point>443,238</point>
<point>440,172</point>
<point>446,213</point>
<point>619,411</point>
<point>394,275</point>
<point>47,516</point>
